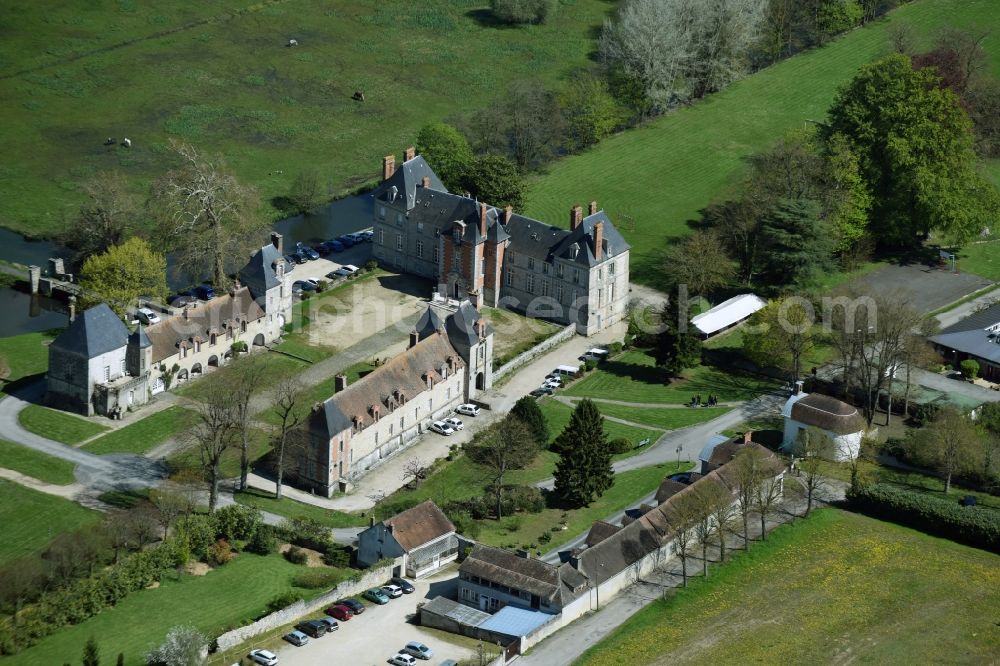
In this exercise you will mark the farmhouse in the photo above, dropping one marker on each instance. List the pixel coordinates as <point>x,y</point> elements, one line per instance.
<point>841,422</point>
<point>362,424</point>
<point>976,337</point>
<point>421,539</point>
<point>496,257</point>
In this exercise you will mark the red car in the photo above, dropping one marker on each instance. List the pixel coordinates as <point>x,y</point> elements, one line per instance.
<point>341,612</point>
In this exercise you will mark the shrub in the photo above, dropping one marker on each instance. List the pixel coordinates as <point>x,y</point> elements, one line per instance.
<point>464,523</point>
<point>263,541</point>
<point>315,579</point>
<point>526,498</point>
<point>199,533</point>
<point>296,555</point>
<point>371,265</point>
<point>238,347</point>
<point>545,537</point>
<point>969,368</point>
<point>237,522</point>
<point>589,364</point>
<point>923,414</point>
<point>220,553</point>
<point>519,12</point>
<point>614,348</point>
<point>283,600</point>
<point>974,526</point>
<point>337,557</point>
<point>619,445</point>
<point>308,533</point>
<point>322,286</point>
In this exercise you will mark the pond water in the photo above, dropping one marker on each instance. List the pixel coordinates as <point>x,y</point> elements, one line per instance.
<point>24,314</point>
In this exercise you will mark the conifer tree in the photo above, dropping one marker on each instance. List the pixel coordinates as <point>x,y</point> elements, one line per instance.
<point>90,653</point>
<point>584,470</point>
<point>527,411</point>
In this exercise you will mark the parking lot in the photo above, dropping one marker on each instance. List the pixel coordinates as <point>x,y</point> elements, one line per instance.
<point>371,638</point>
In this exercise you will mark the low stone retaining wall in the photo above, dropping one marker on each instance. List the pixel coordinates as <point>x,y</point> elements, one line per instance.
<point>347,588</point>
<point>537,350</point>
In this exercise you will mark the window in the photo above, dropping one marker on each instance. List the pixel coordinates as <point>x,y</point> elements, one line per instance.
<point>402,422</point>
<point>341,446</point>
<point>600,274</point>
<point>545,287</point>
<point>559,292</point>
<point>576,276</point>
<point>611,268</point>
<point>510,277</point>
<point>531,263</point>
<point>456,261</point>
<point>399,219</point>
<point>211,340</point>
<point>381,212</point>
<point>435,254</point>
<point>123,367</point>
<point>381,236</point>
<point>511,256</point>
<point>390,430</point>
<point>448,393</point>
<point>482,266</point>
<point>399,241</point>
<point>545,268</point>
<point>197,346</point>
<point>420,249</point>
<point>107,373</point>
<point>430,404</point>
<point>559,270</point>
<point>437,231</point>
<point>529,283</point>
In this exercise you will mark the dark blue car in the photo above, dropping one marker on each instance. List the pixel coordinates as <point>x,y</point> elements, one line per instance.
<point>205,292</point>
<point>346,241</point>
<point>334,245</point>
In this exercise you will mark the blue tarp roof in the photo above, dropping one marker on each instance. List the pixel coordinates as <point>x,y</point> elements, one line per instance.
<point>515,621</point>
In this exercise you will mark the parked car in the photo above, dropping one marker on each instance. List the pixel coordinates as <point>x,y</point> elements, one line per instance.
<point>350,267</point>
<point>296,638</point>
<point>442,428</point>
<point>455,423</point>
<point>418,650</point>
<point>393,591</point>
<point>377,595</point>
<point>468,409</point>
<point>180,300</point>
<point>290,260</point>
<point>402,659</point>
<point>263,657</point>
<point>340,612</point>
<point>346,240</point>
<point>553,382</point>
<point>307,252</point>
<point>334,245</point>
<point>339,274</point>
<point>683,477</point>
<point>303,285</point>
<point>368,235</point>
<point>322,249</point>
<point>331,624</point>
<point>357,608</point>
<point>403,584</point>
<point>313,628</point>
<point>147,316</point>
<point>299,257</point>
<point>539,392</point>
<point>205,292</point>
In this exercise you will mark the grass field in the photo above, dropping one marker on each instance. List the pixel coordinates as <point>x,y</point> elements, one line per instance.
<point>696,155</point>
<point>26,354</point>
<point>292,509</point>
<point>218,74</point>
<point>145,434</point>
<point>32,519</point>
<point>836,588</point>
<point>515,334</point>
<point>981,258</point>
<point>231,595</point>
<point>633,376</point>
<point>60,426</point>
<point>557,416</point>
<point>666,418</point>
<point>35,464</point>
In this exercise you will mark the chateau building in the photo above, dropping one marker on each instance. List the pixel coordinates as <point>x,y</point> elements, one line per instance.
<point>497,258</point>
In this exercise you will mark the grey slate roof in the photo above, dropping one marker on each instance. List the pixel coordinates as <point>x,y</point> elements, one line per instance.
<point>429,322</point>
<point>973,335</point>
<point>461,327</point>
<point>558,585</point>
<point>94,332</point>
<point>259,274</point>
<point>139,338</point>
<point>407,180</point>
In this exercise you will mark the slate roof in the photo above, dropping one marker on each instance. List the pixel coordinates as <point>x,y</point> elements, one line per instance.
<point>600,531</point>
<point>428,324</point>
<point>713,441</point>
<point>259,274</point>
<point>668,488</point>
<point>215,316</point>
<point>95,331</point>
<point>139,338</point>
<point>976,335</point>
<point>824,412</point>
<point>423,523</point>
<point>463,327</point>
<point>557,585</point>
<point>406,180</point>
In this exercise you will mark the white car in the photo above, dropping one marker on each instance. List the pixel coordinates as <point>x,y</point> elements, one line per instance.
<point>263,657</point>
<point>350,267</point>
<point>393,591</point>
<point>455,423</point>
<point>402,660</point>
<point>418,650</point>
<point>147,316</point>
<point>552,384</point>
<point>442,428</point>
<point>468,409</point>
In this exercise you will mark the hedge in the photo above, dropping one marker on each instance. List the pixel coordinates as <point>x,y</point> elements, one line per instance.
<point>974,526</point>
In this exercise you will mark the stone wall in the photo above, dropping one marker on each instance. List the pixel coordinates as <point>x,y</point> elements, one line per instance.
<point>542,347</point>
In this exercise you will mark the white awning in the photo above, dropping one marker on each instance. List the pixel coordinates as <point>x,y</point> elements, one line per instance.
<point>725,314</point>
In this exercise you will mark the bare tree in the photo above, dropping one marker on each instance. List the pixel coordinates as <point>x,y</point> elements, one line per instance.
<point>685,513</point>
<point>811,447</point>
<point>502,447</point>
<point>723,517</point>
<point>143,521</point>
<point>117,530</point>
<point>415,469</point>
<point>21,581</point>
<point>214,433</point>
<point>747,469</point>
<point>206,215</point>
<point>286,400</point>
<point>170,505</point>
<point>710,496</point>
<point>951,440</point>
<point>106,217</point>
<point>766,499</point>
<point>243,378</point>
<point>917,352</point>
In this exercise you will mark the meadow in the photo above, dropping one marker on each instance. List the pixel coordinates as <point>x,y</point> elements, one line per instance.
<point>32,519</point>
<point>834,588</point>
<point>35,464</point>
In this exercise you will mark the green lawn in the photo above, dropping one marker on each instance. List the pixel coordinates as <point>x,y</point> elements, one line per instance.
<point>277,364</point>
<point>302,349</point>
<point>633,376</point>
<point>271,110</point>
<point>26,354</point>
<point>557,416</point>
<point>835,588</point>
<point>60,426</point>
<point>515,334</point>
<point>229,596</point>
<point>35,464</point>
<point>32,519</point>
<point>322,391</point>
<point>698,153</point>
<point>981,258</point>
<point>145,434</point>
<point>819,355</point>
<point>291,509</point>
<point>189,457</point>
<point>524,529</point>
<point>666,418</point>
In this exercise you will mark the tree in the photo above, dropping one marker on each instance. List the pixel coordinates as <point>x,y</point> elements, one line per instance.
<point>306,192</point>
<point>723,517</point>
<point>583,471</point>
<point>950,442</point>
<point>170,505</point>
<point>748,475</point>
<point>447,151</point>
<point>183,646</point>
<point>215,432</point>
<point>709,498</point>
<point>91,656</point>
<point>121,659</point>
<point>970,368</point>
<point>495,179</point>
<point>105,219</point>
<point>913,142</point>
<point>415,469</point>
<point>780,334</point>
<point>502,447</point>
<point>700,262</point>
<point>677,345</point>
<point>527,411</point>
<point>523,11</point>
<point>836,16</point>
<point>811,447</point>
<point>590,111</point>
<point>684,512</point>
<point>206,216</point>
<point>21,581</point>
<point>286,401</point>
<point>799,246</point>
<point>241,380</point>
<point>766,499</point>
<point>123,273</point>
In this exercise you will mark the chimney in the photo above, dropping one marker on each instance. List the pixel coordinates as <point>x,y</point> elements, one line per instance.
<point>798,387</point>
<point>72,309</point>
<point>748,437</point>
<point>414,339</point>
<point>185,312</point>
<point>482,220</point>
<point>593,208</point>
<point>599,241</point>
<point>508,213</point>
<point>339,383</point>
<point>388,166</point>
<point>409,154</point>
<point>575,217</point>
<point>278,242</point>
<point>425,181</point>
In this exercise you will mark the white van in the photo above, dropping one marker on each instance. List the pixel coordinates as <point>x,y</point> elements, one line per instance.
<point>566,370</point>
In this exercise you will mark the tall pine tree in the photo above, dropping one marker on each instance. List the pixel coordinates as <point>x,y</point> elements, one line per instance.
<point>677,345</point>
<point>91,656</point>
<point>584,470</point>
<point>527,410</point>
<point>799,245</point>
